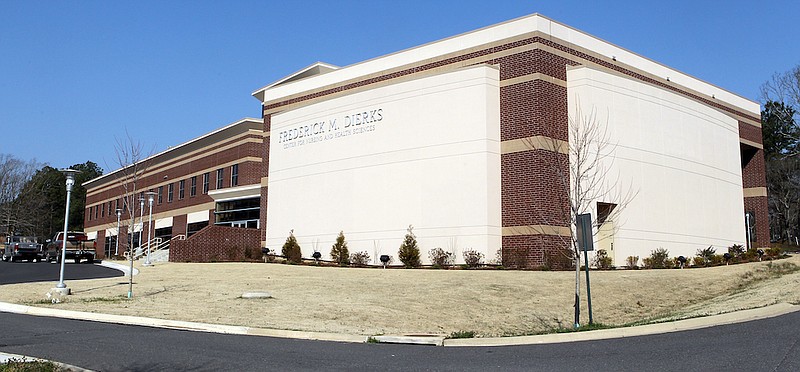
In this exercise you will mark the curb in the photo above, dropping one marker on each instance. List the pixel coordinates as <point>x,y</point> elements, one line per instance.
<point>177,324</point>
<point>124,268</point>
<point>4,357</point>
<point>650,329</point>
<point>410,340</point>
<point>643,330</point>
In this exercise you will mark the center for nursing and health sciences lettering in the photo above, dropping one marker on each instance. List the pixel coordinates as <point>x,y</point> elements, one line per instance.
<point>323,130</point>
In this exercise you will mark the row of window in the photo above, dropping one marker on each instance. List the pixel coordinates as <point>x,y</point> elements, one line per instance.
<point>99,211</point>
<point>111,207</point>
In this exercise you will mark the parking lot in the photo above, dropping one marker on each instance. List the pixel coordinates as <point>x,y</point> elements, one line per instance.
<point>29,272</point>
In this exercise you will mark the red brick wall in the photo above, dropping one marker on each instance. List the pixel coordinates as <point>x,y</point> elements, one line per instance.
<point>536,251</point>
<point>754,175</point>
<point>536,108</point>
<point>100,246</point>
<point>249,173</point>
<point>179,225</point>
<point>265,173</point>
<point>749,132</point>
<point>531,193</point>
<point>217,244</point>
<point>758,206</point>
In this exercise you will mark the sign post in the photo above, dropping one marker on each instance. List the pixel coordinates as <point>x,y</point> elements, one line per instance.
<point>586,243</point>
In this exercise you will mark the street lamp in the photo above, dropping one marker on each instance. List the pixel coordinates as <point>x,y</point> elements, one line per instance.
<point>141,221</point>
<point>119,214</point>
<point>150,195</point>
<point>70,175</point>
<point>131,252</point>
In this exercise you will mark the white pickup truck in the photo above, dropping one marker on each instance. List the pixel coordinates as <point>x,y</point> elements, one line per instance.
<point>79,247</point>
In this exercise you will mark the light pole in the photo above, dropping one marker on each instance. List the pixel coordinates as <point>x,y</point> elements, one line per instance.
<point>61,287</point>
<point>119,214</point>
<point>141,222</point>
<point>149,229</point>
<point>129,239</point>
<point>747,233</point>
<point>130,246</point>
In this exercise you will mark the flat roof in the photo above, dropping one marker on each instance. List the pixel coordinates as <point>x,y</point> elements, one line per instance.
<point>228,131</point>
<point>287,87</point>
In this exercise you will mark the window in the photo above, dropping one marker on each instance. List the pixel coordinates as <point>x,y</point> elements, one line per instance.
<point>170,190</point>
<point>181,189</point>
<point>160,194</point>
<point>165,233</point>
<point>90,213</point>
<point>205,183</point>
<point>219,178</point>
<point>102,210</point>
<point>110,245</point>
<point>96,211</point>
<point>193,187</point>
<point>116,202</point>
<point>194,227</point>
<point>234,175</point>
<point>239,213</point>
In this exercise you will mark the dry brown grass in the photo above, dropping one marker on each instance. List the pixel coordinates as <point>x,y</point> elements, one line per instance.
<point>398,301</point>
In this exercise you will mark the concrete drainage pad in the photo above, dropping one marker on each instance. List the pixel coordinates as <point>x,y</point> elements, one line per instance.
<point>256,295</point>
<point>412,339</point>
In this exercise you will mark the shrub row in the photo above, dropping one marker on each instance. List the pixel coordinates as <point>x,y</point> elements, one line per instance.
<point>659,258</point>
<point>409,253</point>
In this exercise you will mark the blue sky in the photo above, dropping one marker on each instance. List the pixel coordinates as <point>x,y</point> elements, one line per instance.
<point>76,75</point>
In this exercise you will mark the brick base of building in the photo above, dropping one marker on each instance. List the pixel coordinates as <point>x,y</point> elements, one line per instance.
<point>539,252</point>
<point>218,244</point>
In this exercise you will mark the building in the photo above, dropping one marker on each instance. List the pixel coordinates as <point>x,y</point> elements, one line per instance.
<point>211,179</point>
<point>467,140</point>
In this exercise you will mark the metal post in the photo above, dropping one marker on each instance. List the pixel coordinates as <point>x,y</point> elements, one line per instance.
<point>747,224</point>
<point>130,246</point>
<point>588,290</point>
<point>141,221</point>
<point>119,214</point>
<point>70,175</point>
<point>577,289</point>
<point>149,228</point>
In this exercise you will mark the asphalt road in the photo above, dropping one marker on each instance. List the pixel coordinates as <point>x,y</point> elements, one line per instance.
<point>765,345</point>
<point>26,272</point>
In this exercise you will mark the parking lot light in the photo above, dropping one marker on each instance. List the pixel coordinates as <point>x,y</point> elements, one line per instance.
<point>61,287</point>
<point>119,214</point>
<point>149,228</point>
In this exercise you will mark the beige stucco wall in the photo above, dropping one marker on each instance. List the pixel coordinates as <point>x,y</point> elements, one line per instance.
<point>679,157</point>
<point>427,155</point>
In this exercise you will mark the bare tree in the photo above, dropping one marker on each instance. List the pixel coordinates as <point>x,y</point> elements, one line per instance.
<point>14,175</point>
<point>783,87</point>
<point>583,176</point>
<point>780,123</point>
<point>783,181</point>
<point>132,161</point>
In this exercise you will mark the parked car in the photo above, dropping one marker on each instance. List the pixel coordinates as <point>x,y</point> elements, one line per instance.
<point>79,247</point>
<point>18,248</point>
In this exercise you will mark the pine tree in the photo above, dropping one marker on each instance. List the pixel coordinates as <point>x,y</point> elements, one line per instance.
<point>291,250</point>
<point>339,253</point>
<point>409,251</point>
